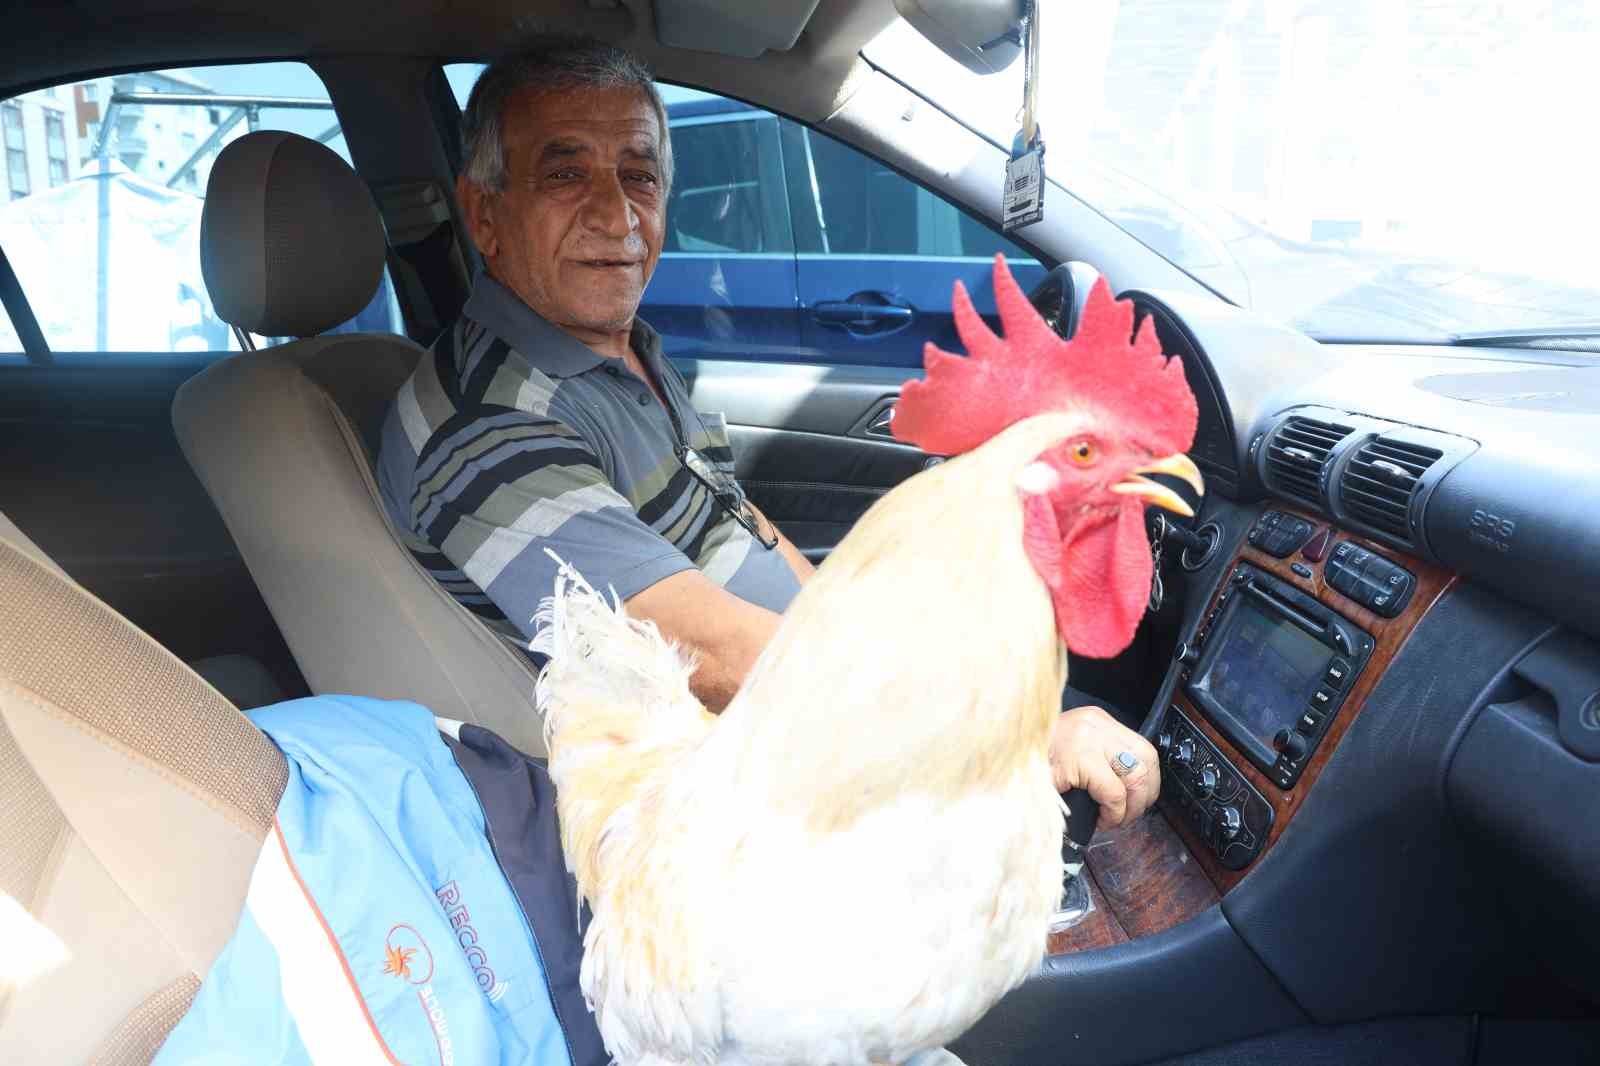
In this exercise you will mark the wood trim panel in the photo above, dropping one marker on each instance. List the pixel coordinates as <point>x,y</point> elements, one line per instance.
<point>1142,880</point>
<point>1147,876</point>
<point>1099,929</point>
<point>1389,636</point>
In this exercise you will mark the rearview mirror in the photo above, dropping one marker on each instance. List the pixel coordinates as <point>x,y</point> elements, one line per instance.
<point>982,35</point>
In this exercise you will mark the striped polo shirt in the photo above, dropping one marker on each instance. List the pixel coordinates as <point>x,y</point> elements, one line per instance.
<point>512,436</point>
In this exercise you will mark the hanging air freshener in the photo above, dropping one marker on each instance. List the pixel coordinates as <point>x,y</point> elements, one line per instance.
<point>1023,201</point>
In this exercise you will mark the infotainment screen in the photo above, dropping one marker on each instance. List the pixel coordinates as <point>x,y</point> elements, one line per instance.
<point>1265,671</point>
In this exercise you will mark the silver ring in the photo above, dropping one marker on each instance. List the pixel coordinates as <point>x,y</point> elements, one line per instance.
<point>1124,763</point>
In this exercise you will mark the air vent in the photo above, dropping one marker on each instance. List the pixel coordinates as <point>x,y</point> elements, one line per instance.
<point>1378,485</point>
<point>1296,453</point>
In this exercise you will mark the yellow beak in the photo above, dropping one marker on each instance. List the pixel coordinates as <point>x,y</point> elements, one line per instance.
<point>1178,466</point>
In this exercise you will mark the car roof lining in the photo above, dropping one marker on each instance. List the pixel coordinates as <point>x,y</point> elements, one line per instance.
<point>809,80</point>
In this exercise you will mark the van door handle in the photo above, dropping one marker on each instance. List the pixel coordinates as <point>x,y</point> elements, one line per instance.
<point>864,314</point>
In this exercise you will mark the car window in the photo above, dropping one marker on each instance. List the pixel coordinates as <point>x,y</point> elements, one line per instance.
<point>105,181</point>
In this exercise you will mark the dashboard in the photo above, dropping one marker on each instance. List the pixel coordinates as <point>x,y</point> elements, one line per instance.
<point>1380,731</point>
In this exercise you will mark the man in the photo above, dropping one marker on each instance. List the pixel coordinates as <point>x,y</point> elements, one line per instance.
<point>547,419</point>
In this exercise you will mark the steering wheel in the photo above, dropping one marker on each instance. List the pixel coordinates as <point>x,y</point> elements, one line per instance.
<point>1060,296</point>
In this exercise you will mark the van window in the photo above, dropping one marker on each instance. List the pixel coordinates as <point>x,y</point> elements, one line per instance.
<point>727,187</point>
<point>866,208</point>
<point>106,181</point>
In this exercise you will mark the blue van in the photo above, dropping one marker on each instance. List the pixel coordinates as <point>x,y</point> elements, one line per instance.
<point>785,245</point>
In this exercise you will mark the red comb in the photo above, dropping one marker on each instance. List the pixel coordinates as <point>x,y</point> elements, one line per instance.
<point>962,402</point>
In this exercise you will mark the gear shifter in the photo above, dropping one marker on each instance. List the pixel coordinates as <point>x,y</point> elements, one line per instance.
<point>1082,814</point>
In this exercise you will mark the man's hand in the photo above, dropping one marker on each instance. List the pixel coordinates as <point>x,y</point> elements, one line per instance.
<point>1084,747</point>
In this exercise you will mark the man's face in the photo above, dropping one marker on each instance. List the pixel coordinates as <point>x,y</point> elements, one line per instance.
<point>577,230</point>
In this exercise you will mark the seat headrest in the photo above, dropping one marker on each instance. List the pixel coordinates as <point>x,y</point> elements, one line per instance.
<point>291,243</point>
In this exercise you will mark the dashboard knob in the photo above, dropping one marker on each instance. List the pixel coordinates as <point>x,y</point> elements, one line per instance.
<point>1290,744</point>
<point>1229,822</point>
<point>1186,654</point>
<point>1183,753</point>
<point>1163,742</point>
<point>1206,781</point>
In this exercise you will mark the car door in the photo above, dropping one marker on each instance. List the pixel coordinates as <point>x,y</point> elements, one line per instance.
<point>877,256</point>
<point>724,285</point>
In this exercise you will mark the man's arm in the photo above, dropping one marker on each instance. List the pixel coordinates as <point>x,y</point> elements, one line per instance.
<point>495,520</point>
<point>797,562</point>
<point>727,632</point>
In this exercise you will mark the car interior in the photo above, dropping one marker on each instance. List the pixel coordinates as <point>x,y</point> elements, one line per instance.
<point>1371,665</point>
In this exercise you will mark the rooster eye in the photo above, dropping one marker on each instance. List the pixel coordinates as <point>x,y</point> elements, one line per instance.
<point>1084,453</point>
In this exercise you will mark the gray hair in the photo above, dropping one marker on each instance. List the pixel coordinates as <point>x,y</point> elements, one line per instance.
<point>556,62</point>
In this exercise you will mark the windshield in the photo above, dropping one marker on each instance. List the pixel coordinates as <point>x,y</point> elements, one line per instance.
<point>1387,170</point>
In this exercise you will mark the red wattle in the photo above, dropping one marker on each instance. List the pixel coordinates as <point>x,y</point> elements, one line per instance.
<point>1104,586</point>
<point>1041,540</point>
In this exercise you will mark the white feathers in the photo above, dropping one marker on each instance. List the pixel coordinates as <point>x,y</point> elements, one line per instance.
<point>1036,479</point>
<point>748,908</point>
<point>597,652</point>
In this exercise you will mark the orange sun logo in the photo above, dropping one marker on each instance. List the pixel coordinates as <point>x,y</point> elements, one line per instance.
<point>397,960</point>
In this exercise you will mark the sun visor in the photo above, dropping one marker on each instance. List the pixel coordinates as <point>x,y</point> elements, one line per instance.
<point>732,27</point>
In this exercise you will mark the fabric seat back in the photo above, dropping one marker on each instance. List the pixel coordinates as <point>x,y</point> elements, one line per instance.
<point>284,441</point>
<point>133,801</point>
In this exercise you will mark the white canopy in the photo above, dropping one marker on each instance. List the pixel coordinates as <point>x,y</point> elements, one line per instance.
<point>111,262</point>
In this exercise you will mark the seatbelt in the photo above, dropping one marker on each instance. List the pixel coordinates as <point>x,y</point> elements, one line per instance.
<point>15,302</point>
<point>424,259</point>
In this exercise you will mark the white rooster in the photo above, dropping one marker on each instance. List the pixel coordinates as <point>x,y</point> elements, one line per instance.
<point>862,854</point>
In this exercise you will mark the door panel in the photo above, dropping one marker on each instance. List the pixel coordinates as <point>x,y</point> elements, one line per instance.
<point>815,486</point>
<point>797,434</point>
<point>95,477</point>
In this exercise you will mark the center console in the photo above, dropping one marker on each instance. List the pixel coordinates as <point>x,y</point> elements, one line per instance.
<point>1297,634</point>
<point>1270,670</point>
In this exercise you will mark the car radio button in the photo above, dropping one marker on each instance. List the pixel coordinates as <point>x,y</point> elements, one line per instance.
<point>1290,744</point>
<point>1308,722</point>
<point>1323,698</point>
<point>1338,673</point>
